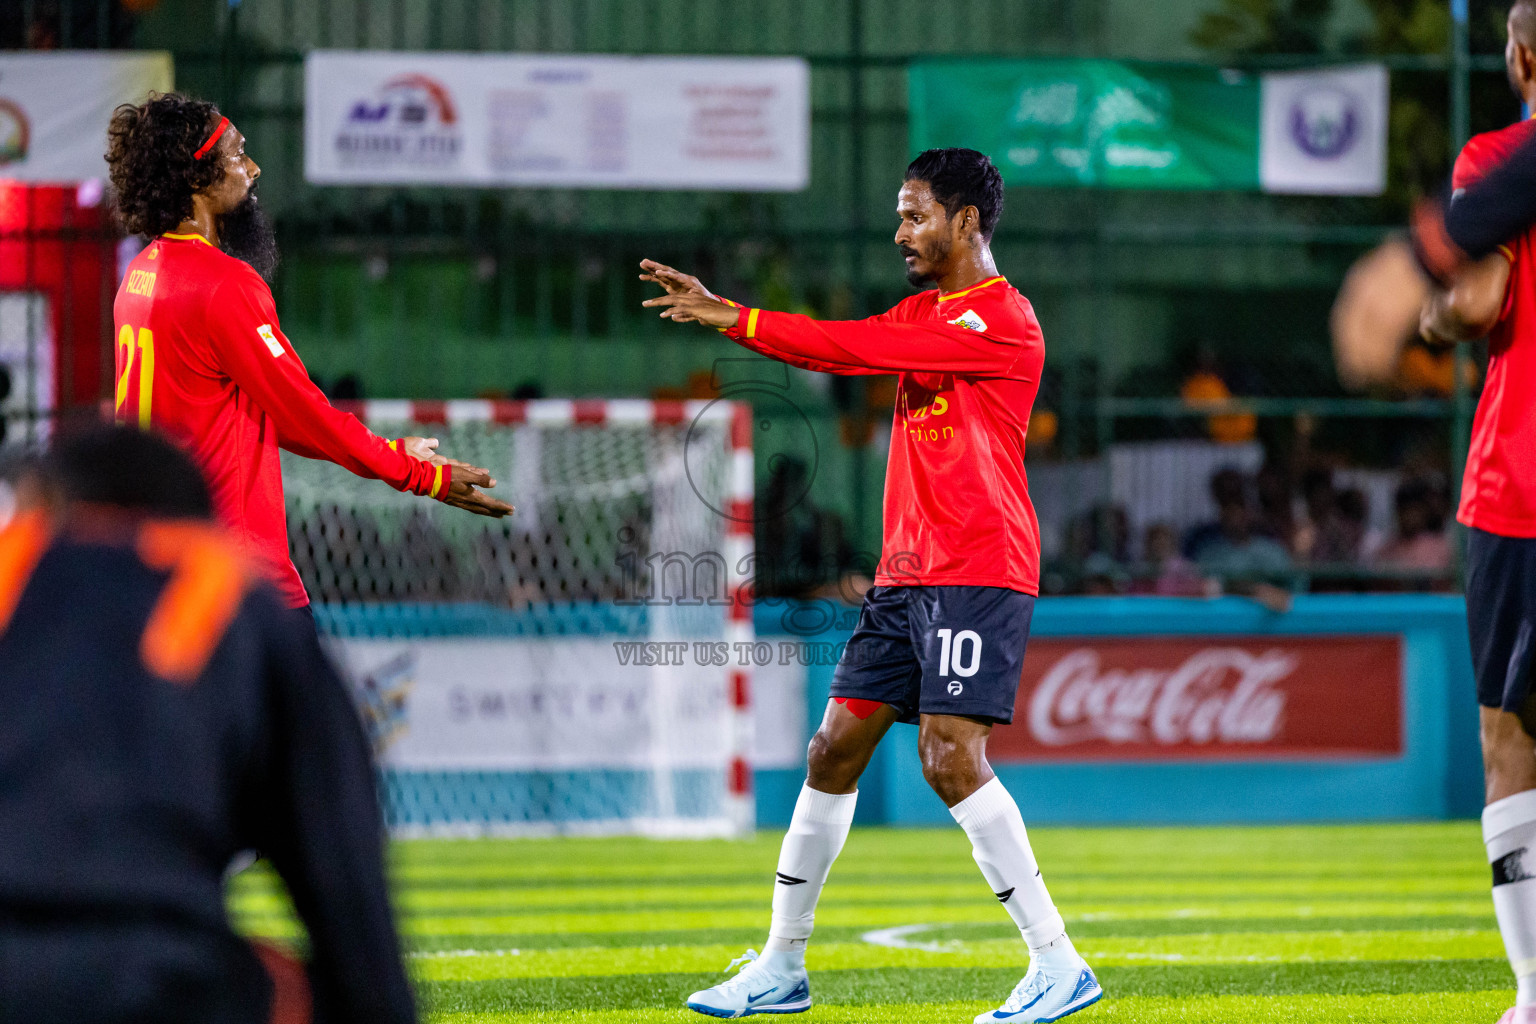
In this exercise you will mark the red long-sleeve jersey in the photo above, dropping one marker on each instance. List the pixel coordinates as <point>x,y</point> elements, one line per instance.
<point>200,356</point>
<point>957,508</point>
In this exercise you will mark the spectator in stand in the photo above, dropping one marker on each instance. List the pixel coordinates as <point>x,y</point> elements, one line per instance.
<point>1099,541</point>
<point>1172,574</point>
<point>1228,486</point>
<point>1342,534</point>
<point>1421,542</point>
<point>1239,551</point>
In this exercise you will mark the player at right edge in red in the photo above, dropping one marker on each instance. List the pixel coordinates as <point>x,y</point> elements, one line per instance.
<point>941,637</point>
<point>1496,297</point>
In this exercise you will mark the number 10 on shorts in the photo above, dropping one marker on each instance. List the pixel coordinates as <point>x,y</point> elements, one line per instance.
<point>959,653</point>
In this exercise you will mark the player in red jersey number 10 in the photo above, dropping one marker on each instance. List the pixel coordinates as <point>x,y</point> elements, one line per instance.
<point>941,637</point>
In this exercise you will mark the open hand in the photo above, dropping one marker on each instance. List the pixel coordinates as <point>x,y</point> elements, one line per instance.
<point>699,309</point>
<point>674,281</point>
<point>463,491</point>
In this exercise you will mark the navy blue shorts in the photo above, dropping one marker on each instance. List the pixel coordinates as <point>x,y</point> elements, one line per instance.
<point>1501,615</point>
<point>938,651</point>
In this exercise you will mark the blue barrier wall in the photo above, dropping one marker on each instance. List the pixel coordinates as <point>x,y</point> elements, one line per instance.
<point>1438,775</point>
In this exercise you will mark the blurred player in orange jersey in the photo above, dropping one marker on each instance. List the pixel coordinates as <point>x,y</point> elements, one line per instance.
<point>200,354</point>
<point>159,712</point>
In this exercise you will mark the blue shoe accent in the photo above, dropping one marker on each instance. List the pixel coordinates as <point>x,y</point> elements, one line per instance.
<point>1047,1000</point>
<point>1087,992</point>
<point>784,993</point>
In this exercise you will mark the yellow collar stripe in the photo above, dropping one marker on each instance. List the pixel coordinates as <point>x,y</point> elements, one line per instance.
<point>187,238</point>
<point>989,282</point>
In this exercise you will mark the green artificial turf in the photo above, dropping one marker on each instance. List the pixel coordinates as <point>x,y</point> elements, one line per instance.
<point>1388,924</point>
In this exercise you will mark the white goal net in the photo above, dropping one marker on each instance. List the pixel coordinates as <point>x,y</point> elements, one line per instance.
<point>571,668</point>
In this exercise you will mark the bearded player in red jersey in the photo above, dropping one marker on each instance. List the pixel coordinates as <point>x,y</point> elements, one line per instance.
<point>940,640</point>
<point>200,355</point>
<point>1497,297</point>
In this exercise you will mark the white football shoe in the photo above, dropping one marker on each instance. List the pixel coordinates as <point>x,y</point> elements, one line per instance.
<point>1519,1015</point>
<point>757,988</point>
<point>1044,996</point>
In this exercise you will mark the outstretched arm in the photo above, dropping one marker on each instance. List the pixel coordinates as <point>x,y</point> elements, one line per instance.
<point>253,351</point>
<point>873,346</point>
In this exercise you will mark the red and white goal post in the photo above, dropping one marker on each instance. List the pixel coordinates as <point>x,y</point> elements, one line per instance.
<point>582,666</point>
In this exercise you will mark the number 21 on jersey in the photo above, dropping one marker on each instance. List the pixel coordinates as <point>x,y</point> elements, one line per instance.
<point>135,350</point>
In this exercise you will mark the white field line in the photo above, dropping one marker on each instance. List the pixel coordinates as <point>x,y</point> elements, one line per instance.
<point>896,938</point>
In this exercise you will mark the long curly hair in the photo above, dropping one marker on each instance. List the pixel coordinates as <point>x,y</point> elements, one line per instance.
<point>149,156</point>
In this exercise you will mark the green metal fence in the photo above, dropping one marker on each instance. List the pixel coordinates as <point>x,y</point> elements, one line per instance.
<point>425,292</point>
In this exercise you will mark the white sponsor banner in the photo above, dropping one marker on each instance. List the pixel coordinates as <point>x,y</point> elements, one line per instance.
<point>536,705</point>
<point>1324,132</point>
<point>54,109</point>
<point>542,120</point>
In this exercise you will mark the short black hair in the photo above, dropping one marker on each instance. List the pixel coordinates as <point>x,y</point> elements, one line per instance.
<point>959,178</point>
<point>131,469</point>
<point>150,157</point>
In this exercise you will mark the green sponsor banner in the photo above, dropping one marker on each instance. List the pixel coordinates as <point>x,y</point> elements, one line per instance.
<point>1104,123</point>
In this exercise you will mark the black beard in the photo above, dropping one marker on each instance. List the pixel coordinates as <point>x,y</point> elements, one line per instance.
<point>940,254</point>
<point>246,234</point>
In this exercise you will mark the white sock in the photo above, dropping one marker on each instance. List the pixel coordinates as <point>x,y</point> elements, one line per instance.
<point>1509,833</point>
<point>816,835</point>
<point>1001,848</point>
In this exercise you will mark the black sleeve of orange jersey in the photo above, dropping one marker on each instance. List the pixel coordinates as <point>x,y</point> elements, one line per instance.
<point>325,835</point>
<point>1476,220</point>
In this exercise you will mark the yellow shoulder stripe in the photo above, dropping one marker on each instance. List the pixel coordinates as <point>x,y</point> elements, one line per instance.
<point>194,237</point>
<point>989,282</point>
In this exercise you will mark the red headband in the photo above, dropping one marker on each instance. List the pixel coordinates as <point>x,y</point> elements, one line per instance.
<point>218,133</point>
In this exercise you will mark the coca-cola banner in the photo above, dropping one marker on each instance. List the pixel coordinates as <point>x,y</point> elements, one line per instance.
<point>1210,698</point>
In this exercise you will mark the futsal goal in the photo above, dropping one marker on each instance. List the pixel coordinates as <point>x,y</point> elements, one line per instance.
<point>578,667</point>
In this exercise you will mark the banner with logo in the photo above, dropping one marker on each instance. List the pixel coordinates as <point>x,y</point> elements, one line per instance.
<point>1117,124</point>
<point>534,705</point>
<point>1325,132</point>
<point>571,121</point>
<point>1206,698</point>
<point>54,109</point>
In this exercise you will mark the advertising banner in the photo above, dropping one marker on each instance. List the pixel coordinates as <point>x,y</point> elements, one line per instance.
<point>54,109</point>
<point>1206,698</point>
<point>566,121</point>
<point>534,705</point>
<point>1118,124</point>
